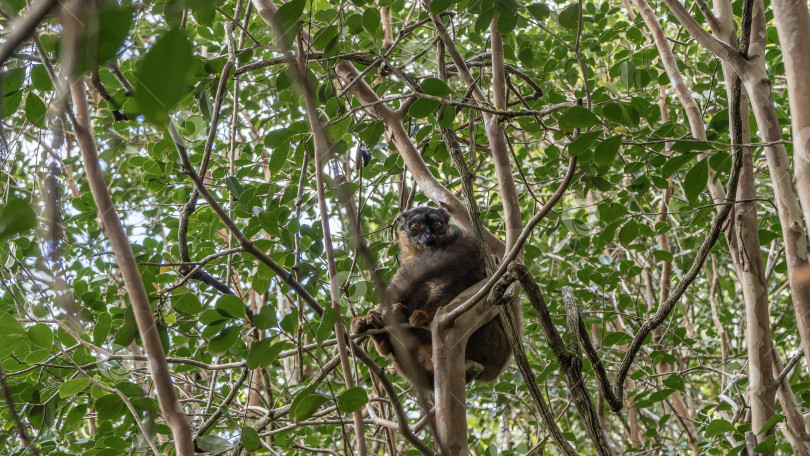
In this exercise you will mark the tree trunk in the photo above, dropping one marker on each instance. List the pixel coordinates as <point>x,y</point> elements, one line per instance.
<point>793,26</point>
<point>744,245</point>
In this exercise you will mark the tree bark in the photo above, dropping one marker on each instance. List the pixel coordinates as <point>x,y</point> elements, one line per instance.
<point>793,26</point>
<point>744,246</point>
<point>758,87</point>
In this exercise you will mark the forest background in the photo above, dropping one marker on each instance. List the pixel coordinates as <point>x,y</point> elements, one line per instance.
<point>198,196</point>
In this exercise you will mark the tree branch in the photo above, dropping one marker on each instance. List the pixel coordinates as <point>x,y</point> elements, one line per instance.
<point>167,398</point>
<point>25,26</point>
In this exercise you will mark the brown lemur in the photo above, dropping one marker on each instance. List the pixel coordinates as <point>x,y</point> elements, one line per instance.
<point>437,264</point>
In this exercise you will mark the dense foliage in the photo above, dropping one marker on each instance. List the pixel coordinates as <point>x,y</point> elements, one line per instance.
<point>69,345</point>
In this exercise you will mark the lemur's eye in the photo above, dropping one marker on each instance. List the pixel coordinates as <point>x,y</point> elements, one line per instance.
<point>437,225</point>
<point>415,226</point>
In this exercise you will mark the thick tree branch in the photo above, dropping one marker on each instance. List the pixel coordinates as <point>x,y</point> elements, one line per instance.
<point>719,48</point>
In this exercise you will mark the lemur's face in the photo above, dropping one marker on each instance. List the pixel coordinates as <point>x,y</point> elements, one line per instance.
<point>424,226</point>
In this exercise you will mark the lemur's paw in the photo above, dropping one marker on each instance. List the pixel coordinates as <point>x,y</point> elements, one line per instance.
<point>420,318</point>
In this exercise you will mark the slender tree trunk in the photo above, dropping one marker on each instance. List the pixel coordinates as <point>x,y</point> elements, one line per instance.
<point>744,240</point>
<point>744,246</point>
<point>793,26</point>
<point>758,87</point>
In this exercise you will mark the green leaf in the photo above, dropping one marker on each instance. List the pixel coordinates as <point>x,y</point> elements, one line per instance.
<point>354,24</point>
<point>307,405</point>
<point>582,143</point>
<point>35,110</point>
<point>609,211</point>
<point>250,439</point>
<point>40,78</point>
<point>766,446</point>
<point>626,70</point>
<point>719,122</point>
<point>110,407</point>
<point>526,56</point>
<point>336,130</point>
<point>223,341</point>
<point>423,107</point>
<point>766,236</point>
<point>234,186</point>
<point>289,18</point>
<point>569,17</point>
<point>16,217</point>
<point>327,326</point>
<point>160,83</point>
<point>662,255</point>
<point>10,103</point>
<point>352,399</point>
<point>628,232</point>
<point>696,180</point>
<point>371,20</point>
<point>279,138</point>
<point>539,11</point>
<point>606,151</point>
<point>446,115</point>
<point>40,334</point>
<point>128,330</point>
<point>36,356</point>
<point>114,23</point>
<point>11,81</point>
<point>266,318</point>
<point>230,306</point>
<point>372,133</point>
<point>616,338</point>
<point>690,145</point>
<point>623,113</point>
<point>325,37</point>
<point>675,163</point>
<point>187,303</point>
<point>102,328</point>
<point>213,444</point>
<point>776,418</point>
<point>435,87</point>
<point>717,427</point>
<point>263,352</point>
<point>675,382</point>
<point>71,387</point>
<point>75,417</point>
<point>437,6</point>
<point>579,117</point>
<point>12,334</point>
<point>506,23</point>
<point>204,11</point>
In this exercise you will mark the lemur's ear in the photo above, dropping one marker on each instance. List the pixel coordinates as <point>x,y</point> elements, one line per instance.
<point>400,220</point>
<point>445,214</point>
